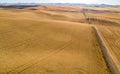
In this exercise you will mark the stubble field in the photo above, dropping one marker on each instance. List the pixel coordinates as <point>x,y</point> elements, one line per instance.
<point>55,40</point>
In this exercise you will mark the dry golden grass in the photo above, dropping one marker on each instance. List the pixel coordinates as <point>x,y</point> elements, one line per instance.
<point>109,28</point>
<point>48,42</point>
<point>111,36</point>
<point>56,8</point>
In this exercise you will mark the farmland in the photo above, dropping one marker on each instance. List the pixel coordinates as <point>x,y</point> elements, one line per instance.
<point>57,40</point>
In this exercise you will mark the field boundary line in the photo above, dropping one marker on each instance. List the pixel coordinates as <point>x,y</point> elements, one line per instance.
<point>109,62</point>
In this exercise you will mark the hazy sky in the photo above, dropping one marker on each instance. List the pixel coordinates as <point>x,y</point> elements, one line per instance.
<point>113,2</point>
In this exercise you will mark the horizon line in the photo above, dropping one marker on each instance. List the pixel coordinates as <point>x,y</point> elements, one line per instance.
<point>59,3</point>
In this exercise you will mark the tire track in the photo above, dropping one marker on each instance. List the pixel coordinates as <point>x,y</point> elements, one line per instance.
<point>59,50</point>
<point>28,65</point>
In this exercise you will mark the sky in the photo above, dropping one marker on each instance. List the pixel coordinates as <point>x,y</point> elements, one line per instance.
<point>112,2</point>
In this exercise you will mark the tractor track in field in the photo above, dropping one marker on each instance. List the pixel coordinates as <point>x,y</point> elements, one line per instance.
<point>55,52</point>
<point>19,43</point>
<point>28,65</point>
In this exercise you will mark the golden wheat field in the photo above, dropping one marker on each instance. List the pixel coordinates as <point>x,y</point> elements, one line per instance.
<point>108,25</point>
<point>57,40</point>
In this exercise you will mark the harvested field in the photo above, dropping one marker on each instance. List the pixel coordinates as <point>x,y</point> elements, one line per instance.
<point>110,31</point>
<point>53,40</point>
<point>111,37</point>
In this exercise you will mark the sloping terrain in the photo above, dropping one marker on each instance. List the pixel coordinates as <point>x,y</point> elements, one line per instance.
<point>111,36</point>
<point>56,8</point>
<point>38,42</point>
<point>109,27</point>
